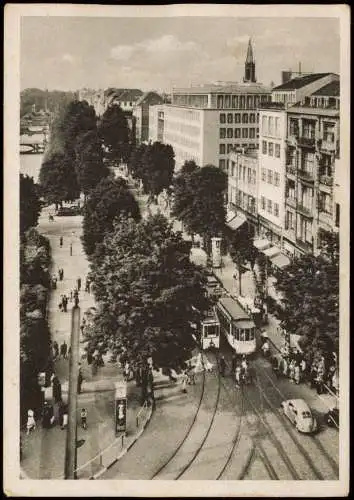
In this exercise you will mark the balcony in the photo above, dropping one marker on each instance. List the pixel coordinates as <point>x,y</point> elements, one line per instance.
<point>292,139</point>
<point>291,170</point>
<point>305,245</point>
<point>327,146</point>
<point>308,212</point>
<point>306,142</point>
<point>306,175</point>
<point>291,202</point>
<point>326,220</point>
<point>326,180</point>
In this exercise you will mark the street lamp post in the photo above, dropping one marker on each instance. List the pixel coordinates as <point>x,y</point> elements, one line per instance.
<point>71,436</point>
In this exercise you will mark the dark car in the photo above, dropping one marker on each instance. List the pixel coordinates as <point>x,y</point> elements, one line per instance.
<point>73,210</point>
<point>332,418</point>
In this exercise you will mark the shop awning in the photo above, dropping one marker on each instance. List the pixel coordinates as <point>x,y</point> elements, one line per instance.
<point>261,244</point>
<point>280,260</point>
<point>270,252</point>
<point>237,222</point>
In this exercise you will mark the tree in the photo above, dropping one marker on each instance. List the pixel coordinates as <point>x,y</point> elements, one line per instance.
<point>114,130</point>
<point>310,287</point>
<point>242,251</point>
<point>146,286</point>
<point>58,179</point>
<point>183,192</point>
<point>135,164</point>
<point>207,213</point>
<point>105,203</point>
<point>330,246</point>
<point>158,166</point>
<point>30,205</point>
<point>90,168</point>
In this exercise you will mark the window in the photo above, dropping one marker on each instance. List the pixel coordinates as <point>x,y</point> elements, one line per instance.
<point>244,174</point>
<point>277,129</point>
<point>244,133</point>
<point>222,164</point>
<point>249,176</point>
<point>276,178</point>
<point>270,177</point>
<point>237,117</point>
<point>229,148</point>
<point>252,118</point>
<point>227,101</point>
<point>252,132</point>
<point>325,203</point>
<point>269,206</point>
<point>242,102</point>
<point>230,133</point>
<point>237,133</point>
<point>277,150</point>
<point>289,220</point>
<point>245,118</point>
<point>235,101</point>
<point>309,129</point>
<point>264,147</point>
<point>222,118</point>
<point>329,132</point>
<point>220,102</point>
<point>306,197</point>
<point>276,209</point>
<point>263,203</point>
<point>222,149</point>
<point>254,173</point>
<point>270,149</point>
<point>307,162</point>
<point>263,174</point>
<point>240,171</point>
<point>306,230</point>
<point>291,190</point>
<point>222,133</point>
<point>233,165</point>
<point>294,127</point>
<point>264,125</point>
<point>229,117</point>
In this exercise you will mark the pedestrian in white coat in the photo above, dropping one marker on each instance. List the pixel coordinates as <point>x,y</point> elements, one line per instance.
<point>31,423</point>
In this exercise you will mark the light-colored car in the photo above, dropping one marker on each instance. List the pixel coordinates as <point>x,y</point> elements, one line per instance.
<point>299,414</point>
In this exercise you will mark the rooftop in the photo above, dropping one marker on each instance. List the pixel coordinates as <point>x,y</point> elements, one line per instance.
<point>330,90</point>
<point>146,96</point>
<point>301,81</point>
<point>228,88</point>
<point>272,105</point>
<point>312,110</point>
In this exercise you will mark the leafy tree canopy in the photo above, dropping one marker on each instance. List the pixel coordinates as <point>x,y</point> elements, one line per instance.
<point>58,179</point>
<point>241,249</point>
<point>310,286</point>
<point>30,205</point>
<point>114,130</point>
<point>147,285</point>
<point>106,202</point>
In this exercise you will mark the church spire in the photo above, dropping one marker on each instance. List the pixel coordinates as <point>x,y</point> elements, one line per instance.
<point>250,65</point>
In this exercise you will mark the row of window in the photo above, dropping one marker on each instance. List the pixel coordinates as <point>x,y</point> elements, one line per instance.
<point>239,118</point>
<point>182,128</point>
<point>237,133</point>
<point>241,101</point>
<point>270,177</point>
<point>272,208</point>
<point>184,114</point>
<point>244,174</point>
<point>271,125</point>
<point>244,200</point>
<point>271,149</point>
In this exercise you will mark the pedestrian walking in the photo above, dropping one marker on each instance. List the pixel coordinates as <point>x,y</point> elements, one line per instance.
<point>238,375</point>
<point>56,389</point>
<point>48,415</point>
<point>297,374</point>
<point>31,423</point>
<point>54,282</point>
<point>71,249</point>
<point>87,285</point>
<point>64,350</point>
<point>222,365</point>
<point>285,366</point>
<point>233,362</point>
<point>61,276</point>
<point>61,241</point>
<point>55,350</point>
<point>69,351</point>
<point>78,283</point>
<point>184,381</point>
<point>65,303</point>
<point>71,295</point>
<point>291,370</point>
<point>80,379</point>
<point>64,420</point>
<point>83,416</point>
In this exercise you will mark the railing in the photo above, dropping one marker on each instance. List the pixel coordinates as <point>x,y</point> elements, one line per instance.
<point>291,169</point>
<point>292,139</point>
<point>306,175</point>
<point>308,142</point>
<point>291,202</point>
<point>326,180</point>
<point>304,210</point>
<point>327,145</point>
<point>305,245</point>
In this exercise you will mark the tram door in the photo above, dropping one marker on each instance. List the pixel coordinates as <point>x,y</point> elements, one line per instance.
<point>210,333</point>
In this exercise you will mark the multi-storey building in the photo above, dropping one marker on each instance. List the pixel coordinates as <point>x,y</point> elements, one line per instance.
<point>101,99</point>
<point>141,114</point>
<point>207,122</point>
<point>242,188</point>
<point>312,154</point>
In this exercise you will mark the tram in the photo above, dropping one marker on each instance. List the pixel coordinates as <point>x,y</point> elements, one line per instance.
<point>210,331</point>
<point>237,326</point>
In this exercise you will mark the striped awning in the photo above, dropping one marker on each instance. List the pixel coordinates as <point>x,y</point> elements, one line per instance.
<point>261,244</point>
<point>271,252</point>
<point>236,222</point>
<point>280,260</point>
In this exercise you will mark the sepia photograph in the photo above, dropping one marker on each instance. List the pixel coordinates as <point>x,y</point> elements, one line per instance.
<point>176,250</point>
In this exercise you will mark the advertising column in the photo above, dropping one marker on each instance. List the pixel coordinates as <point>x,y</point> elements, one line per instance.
<point>120,408</point>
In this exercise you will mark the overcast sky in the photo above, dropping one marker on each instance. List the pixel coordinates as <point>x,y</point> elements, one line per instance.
<point>68,53</point>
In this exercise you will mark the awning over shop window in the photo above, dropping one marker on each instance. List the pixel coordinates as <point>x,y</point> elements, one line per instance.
<point>280,260</point>
<point>261,244</point>
<point>237,222</point>
<point>271,252</point>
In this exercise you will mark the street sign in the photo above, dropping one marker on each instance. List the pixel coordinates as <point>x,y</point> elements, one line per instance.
<point>121,390</point>
<point>120,415</point>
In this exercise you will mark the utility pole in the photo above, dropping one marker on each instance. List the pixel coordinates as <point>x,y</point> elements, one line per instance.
<point>71,436</point>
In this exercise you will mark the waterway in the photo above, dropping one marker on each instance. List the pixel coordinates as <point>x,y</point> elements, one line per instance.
<point>30,164</point>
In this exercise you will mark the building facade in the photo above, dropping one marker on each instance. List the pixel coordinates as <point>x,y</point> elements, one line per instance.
<point>141,114</point>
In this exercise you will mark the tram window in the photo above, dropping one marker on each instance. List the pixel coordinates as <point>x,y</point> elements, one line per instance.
<point>242,335</point>
<point>211,330</point>
<point>235,332</point>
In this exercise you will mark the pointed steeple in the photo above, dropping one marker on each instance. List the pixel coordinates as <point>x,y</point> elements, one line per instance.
<point>250,65</point>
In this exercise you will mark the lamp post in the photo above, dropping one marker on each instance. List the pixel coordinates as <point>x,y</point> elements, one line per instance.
<point>71,436</point>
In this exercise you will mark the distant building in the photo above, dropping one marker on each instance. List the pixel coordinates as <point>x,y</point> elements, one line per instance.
<point>206,122</point>
<point>141,114</point>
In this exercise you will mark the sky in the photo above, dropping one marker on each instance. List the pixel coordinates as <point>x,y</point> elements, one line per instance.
<point>69,53</point>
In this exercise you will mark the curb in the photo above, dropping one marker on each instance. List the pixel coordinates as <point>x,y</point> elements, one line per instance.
<point>123,452</point>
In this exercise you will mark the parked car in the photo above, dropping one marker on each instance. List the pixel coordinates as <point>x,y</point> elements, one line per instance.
<point>332,418</point>
<point>299,414</point>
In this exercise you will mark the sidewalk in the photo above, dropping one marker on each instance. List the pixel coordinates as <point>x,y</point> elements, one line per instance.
<point>44,449</point>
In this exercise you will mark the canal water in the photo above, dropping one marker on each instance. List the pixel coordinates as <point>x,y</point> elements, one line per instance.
<point>30,164</point>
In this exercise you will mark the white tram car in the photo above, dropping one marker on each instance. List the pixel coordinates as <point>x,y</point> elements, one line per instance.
<point>210,331</point>
<point>236,324</point>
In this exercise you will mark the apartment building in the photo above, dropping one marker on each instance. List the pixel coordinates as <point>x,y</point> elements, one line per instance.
<point>242,189</point>
<point>207,122</point>
<point>141,114</point>
<point>271,180</point>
